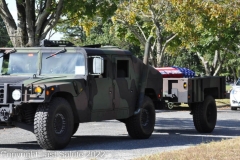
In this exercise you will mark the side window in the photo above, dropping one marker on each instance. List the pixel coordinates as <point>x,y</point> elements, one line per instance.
<point>4,63</point>
<point>122,68</point>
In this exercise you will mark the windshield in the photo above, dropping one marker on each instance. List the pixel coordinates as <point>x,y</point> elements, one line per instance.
<point>22,63</point>
<point>238,82</point>
<point>63,63</point>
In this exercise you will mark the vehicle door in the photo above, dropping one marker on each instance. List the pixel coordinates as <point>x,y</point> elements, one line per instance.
<point>100,88</point>
<point>124,84</point>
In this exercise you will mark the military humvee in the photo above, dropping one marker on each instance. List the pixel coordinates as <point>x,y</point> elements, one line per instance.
<point>50,89</point>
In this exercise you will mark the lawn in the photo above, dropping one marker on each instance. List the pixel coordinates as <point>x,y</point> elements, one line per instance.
<point>222,150</point>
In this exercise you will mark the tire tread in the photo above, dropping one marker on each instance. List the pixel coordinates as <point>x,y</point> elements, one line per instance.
<point>41,122</point>
<point>133,123</point>
<point>199,117</point>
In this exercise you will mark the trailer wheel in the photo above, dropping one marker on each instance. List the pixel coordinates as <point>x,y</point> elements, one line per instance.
<point>75,128</point>
<point>205,115</point>
<point>233,108</point>
<point>53,124</point>
<point>141,126</point>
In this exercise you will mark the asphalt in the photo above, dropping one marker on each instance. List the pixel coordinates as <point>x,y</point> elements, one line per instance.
<point>109,139</point>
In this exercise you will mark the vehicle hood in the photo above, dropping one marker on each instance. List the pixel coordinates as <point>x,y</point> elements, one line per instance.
<point>14,79</point>
<point>235,90</point>
<point>44,80</point>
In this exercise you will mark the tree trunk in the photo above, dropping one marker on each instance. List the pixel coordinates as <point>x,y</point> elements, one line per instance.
<point>159,54</point>
<point>205,65</point>
<point>234,74</point>
<point>32,26</point>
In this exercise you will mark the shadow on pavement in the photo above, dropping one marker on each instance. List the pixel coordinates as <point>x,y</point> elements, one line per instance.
<point>169,132</point>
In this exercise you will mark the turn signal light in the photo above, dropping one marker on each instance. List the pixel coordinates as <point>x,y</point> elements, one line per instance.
<point>50,90</point>
<point>184,85</point>
<point>38,90</point>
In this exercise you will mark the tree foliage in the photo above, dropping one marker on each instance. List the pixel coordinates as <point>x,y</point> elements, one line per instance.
<point>105,34</point>
<point>144,18</point>
<point>209,28</point>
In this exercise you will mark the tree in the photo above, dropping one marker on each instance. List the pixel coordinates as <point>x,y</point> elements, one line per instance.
<point>209,28</point>
<point>104,33</point>
<point>37,17</point>
<point>144,18</point>
<point>4,38</point>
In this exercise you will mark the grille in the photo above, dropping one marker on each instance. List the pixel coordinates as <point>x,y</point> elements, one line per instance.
<point>1,95</point>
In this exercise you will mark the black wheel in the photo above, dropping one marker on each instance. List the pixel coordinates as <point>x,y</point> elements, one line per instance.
<point>75,128</point>
<point>233,108</point>
<point>53,124</point>
<point>141,126</point>
<point>205,115</point>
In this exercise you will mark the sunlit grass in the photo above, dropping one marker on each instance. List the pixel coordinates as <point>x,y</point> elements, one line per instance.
<point>222,150</point>
<point>228,87</point>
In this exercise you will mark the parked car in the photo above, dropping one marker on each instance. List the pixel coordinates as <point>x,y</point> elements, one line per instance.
<point>235,96</point>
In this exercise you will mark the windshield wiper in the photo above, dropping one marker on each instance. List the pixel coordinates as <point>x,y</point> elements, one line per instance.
<point>61,51</point>
<point>11,51</point>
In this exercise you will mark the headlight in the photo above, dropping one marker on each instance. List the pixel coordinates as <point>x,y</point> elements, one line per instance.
<point>38,90</point>
<point>16,94</point>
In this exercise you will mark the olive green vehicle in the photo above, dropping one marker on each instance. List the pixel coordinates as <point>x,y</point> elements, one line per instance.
<point>50,89</point>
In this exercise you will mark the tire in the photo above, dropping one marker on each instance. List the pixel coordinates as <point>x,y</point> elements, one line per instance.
<point>205,115</point>
<point>141,126</point>
<point>75,128</point>
<point>53,124</point>
<point>233,108</point>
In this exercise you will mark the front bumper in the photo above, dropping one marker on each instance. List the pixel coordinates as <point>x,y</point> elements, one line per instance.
<point>235,104</point>
<point>235,100</point>
<point>27,95</point>
<point>8,105</point>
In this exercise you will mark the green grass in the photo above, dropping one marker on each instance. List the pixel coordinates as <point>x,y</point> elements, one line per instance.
<point>228,87</point>
<point>219,103</point>
<point>222,102</point>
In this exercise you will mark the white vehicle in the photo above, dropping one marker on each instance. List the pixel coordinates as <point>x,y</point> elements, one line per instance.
<point>235,96</point>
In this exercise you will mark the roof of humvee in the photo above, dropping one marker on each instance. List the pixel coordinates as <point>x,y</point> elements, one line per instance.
<point>100,51</point>
<point>89,50</point>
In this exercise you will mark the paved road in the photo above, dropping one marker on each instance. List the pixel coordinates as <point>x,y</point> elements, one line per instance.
<point>109,139</point>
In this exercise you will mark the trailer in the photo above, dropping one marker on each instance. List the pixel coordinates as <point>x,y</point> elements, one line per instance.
<point>200,94</point>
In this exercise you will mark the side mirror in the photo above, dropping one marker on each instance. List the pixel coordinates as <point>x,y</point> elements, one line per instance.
<point>98,65</point>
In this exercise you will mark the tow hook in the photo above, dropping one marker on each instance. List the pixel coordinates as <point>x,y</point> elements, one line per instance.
<point>5,113</point>
<point>170,105</point>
